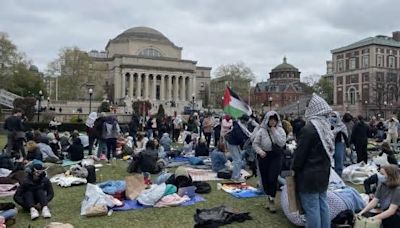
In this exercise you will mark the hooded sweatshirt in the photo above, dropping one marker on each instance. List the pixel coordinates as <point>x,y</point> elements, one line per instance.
<point>166,142</point>
<point>262,141</point>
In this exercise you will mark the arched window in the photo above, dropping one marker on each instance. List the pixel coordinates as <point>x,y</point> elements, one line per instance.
<point>150,52</point>
<point>352,96</point>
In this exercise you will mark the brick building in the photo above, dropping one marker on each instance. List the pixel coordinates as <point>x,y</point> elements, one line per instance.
<point>366,75</point>
<point>282,88</point>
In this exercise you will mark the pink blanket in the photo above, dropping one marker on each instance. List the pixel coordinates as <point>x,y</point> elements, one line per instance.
<point>8,189</point>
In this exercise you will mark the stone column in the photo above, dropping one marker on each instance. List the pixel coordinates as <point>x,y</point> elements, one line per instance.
<point>154,90</point>
<point>190,81</point>
<point>131,85</point>
<point>162,88</point>
<point>176,89</point>
<point>183,89</point>
<point>139,86</point>
<point>169,90</point>
<point>117,83</point>
<point>146,87</point>
<point>123,92</point>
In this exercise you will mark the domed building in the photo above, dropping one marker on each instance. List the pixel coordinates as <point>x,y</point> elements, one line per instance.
<point>143,64</point>
<point>281,89</point>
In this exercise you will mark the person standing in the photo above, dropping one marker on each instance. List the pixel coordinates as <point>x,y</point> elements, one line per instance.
<point>340,135</point>
<point>111,131</point>
<point>90,130</point>
<point>270,135</point>
<point>312,163</point>
<point>133,126</point>
<point>178,126</point>
<point>359,138</point>
<point>235,139</point>
<point>15,132</point>
<point>217,131</point>
<point>392,134</point>
<point>208,125</point>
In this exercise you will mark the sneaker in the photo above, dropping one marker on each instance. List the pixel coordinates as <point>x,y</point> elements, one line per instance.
<point>34,213</point>
<point>239,180</point>
<point>46,212</point>
<point>271,205</point>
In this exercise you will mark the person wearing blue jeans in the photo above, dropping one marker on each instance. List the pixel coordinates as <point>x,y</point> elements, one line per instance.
<point>312,163</point>
<point>316,207</point>
<point>341,137</point>
<point>234,139</point>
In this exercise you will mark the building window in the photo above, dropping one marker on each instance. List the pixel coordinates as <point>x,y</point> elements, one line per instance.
<point>340,66</point>
<point>379,61</point>
<point>150,52</point>
<point>352,63</point>
<point>365,60</point>
<point>352,96</point>
<point>391,61</point>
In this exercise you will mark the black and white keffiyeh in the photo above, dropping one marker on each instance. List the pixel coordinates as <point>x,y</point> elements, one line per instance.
<point>317,112</point>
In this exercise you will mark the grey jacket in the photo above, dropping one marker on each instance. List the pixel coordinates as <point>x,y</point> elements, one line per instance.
<point>262,141</point>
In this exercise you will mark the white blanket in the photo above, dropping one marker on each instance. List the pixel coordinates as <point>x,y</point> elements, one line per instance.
<point>357,173</point>
<point>67,181</point>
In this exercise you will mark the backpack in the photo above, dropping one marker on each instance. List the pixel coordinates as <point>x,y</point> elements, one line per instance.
<point>343,219</point>
<point>202,187</point>
<point>91,177</point>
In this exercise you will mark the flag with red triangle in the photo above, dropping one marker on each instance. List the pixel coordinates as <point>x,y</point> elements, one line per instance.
<point>234,105</point>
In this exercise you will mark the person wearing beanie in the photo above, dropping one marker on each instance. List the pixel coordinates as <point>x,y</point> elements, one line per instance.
<point>35,191</point>
<point>33,152</point>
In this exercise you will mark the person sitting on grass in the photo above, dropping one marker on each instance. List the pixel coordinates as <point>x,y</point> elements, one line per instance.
<point>141,143</point>
<point>218,158</point>
<point>35,191</point>
<point>388,197</point>
<point>75,151</point>
<point>33,152</point>
<point>149,160</point>
<point>166,142</point>
<point>391,158</point>
<point>47,152</point>
<point>202,148</point>
<point>159,148</point>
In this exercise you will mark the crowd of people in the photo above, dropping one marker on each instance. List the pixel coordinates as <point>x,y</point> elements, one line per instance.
<point>323,139</point>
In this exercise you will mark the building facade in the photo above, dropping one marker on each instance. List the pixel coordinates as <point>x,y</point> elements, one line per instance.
<point>241,86</point>
<point>366,76</point>
<point>281,89</point>
<point>142,64</point>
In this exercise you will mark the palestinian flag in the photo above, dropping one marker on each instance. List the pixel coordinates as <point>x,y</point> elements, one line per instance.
<point>235,106</point>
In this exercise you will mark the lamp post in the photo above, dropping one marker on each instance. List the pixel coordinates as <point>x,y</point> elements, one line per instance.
<point>298,108</point>
<point>90,100</point>
<point>270,103</point>
<point>193,96</point>
<point>384,111</point>
<point>366,109</point>
<point>222,102</point>
<point>39,105</point>
<point>48,103</point>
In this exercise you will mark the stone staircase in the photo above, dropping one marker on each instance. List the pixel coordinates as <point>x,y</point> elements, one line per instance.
<point>294,108</point>
<point>7,98</point>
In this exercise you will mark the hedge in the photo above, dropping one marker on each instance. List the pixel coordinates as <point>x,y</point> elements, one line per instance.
<point>61,128</point>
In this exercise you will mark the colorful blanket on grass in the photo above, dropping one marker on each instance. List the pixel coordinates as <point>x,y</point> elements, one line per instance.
<point>242,190</point>
<point>135,205</point>
<point>209,175</point>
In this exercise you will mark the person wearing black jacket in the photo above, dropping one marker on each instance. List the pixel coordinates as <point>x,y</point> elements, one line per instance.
<point>359,138</point>
<point>35,191</point>
<point>98,130</point>
<point>312,163</point>
<point>75,151</point>
<point>235,139</point>
<point>15,132</point>
<point>298,124</point>
<point>133,126</point>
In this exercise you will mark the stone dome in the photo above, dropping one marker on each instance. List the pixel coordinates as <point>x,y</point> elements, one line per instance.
<point>143,33</point>
<point>285,67</point>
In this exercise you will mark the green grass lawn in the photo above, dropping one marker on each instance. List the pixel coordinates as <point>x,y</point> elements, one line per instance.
<point>65,207</point>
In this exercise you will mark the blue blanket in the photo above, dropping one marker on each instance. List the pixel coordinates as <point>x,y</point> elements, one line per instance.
<point>135,205</point>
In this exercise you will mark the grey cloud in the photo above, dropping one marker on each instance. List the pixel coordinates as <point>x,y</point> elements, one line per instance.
<point>213,32</point>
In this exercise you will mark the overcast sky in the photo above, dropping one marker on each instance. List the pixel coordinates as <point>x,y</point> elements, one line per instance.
<point>213,32</point>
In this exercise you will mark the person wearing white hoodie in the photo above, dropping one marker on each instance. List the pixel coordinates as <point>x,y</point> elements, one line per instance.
<point>393,134</point>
